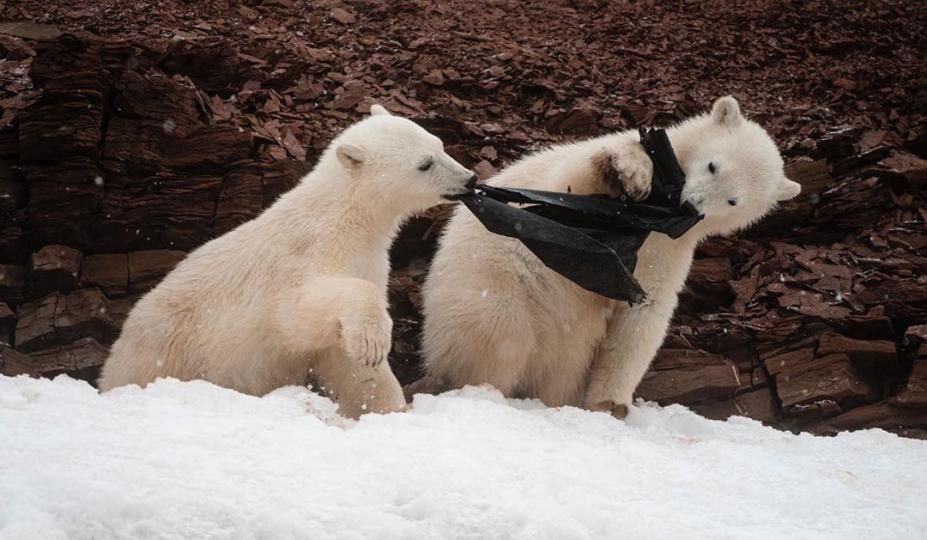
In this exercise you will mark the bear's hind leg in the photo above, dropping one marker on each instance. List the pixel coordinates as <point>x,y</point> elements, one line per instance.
<point>472,343</point>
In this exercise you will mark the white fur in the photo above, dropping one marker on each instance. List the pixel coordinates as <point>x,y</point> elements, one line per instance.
<point>494,314</point>
<point>299,291</point>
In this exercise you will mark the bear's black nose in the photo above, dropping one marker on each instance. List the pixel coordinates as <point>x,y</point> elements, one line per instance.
<point>471,183</point>
<point>732,202</point>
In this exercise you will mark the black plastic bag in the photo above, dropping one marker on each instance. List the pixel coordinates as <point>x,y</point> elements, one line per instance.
<point>592,240</point>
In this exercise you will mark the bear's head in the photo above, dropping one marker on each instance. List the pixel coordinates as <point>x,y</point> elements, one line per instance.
<point>734,173</point>
<point>399,163</point>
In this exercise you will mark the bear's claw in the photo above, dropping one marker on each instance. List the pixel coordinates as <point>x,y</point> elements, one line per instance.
<point>618,410</point>
<point>633,167</point>
<point>367,339</point>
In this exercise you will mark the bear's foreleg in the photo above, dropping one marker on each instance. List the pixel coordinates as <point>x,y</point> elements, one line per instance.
<point>357,389</point>
<point>633,338</point>
<point>345,311</point>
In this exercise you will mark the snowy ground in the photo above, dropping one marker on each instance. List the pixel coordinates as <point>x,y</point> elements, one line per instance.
<point>191,460</point>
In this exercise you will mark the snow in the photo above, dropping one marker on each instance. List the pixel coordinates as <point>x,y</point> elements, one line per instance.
<point>192,460</point>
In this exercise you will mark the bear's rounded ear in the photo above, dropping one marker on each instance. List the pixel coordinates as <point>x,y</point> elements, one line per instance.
<point>787,189</point>
<point>379,110</point>
<point>351,156</point>
<point>726,112</point>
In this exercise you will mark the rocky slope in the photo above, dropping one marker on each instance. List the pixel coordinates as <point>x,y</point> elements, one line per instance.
<point>131,134</point>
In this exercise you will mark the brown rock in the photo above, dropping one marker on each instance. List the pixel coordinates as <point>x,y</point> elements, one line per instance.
<point>247,13</point>
<point>81,354</point>
<point>881,415</point>
<point>688,386</point>
<point>902,299</point>
<point>54,268</point>
<point>856,162</point>
<point>874,323</point>
<point>119,308</point>
<point>13,48</point>
<point>349,96</point>
<point>918,331</point>
<point>60,140</point>
<point>872,138</point>
<point>846,84</point>
<point>830,378</point>
<point>211,62</point>
<point>12,192</point>
<point>814,176</point>
<point>484,170</point>
<point>584,121</point>
<point>63,196</point>
<point>716,410</point>
<point>708,286</point>
<point>908,166</point>
<point>12,280</point>
<point>489,152</point>
<point>177,212</point>
<point>7,324</point>
<point>675,358</point>
<point>836,143</point>
<point>110,272</point>
<point>36,322</point>
<point>13,363</point>
<point>293,147</point>
<point>759,378</point>
<point>914,393</point>
<point>241,197</point>
<point>28,30</point>
<point>808,303</point>
<point>882,352</point>
<point>279,177</point>
<point>792,361</point>
<point>146,268</point>
<point>758,405</point>
<point>343,16</point>
<point>434,77</point>
<point>58,319</point>
<point>137,150</point>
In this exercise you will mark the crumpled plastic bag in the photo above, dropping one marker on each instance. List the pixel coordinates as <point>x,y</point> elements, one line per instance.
<point>592,240</point>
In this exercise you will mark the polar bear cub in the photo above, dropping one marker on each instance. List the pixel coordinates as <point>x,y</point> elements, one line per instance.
<point>300,291</point>
<point>495,314</point>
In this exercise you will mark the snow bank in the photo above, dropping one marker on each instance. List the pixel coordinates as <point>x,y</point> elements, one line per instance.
<point>191,460</point>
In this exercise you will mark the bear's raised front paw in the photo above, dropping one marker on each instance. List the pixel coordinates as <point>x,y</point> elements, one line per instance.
<point>368,339</point>
<point>626,168</point>
<point>618,410</point>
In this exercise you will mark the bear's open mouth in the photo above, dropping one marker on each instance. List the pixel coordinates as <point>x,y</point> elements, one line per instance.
<point>457,196</point>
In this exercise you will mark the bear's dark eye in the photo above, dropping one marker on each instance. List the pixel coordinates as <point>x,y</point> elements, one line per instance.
<point>426,165</point>
<point>711,167</point>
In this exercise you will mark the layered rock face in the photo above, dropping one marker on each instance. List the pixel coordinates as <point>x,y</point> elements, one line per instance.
<point>130,136</point>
